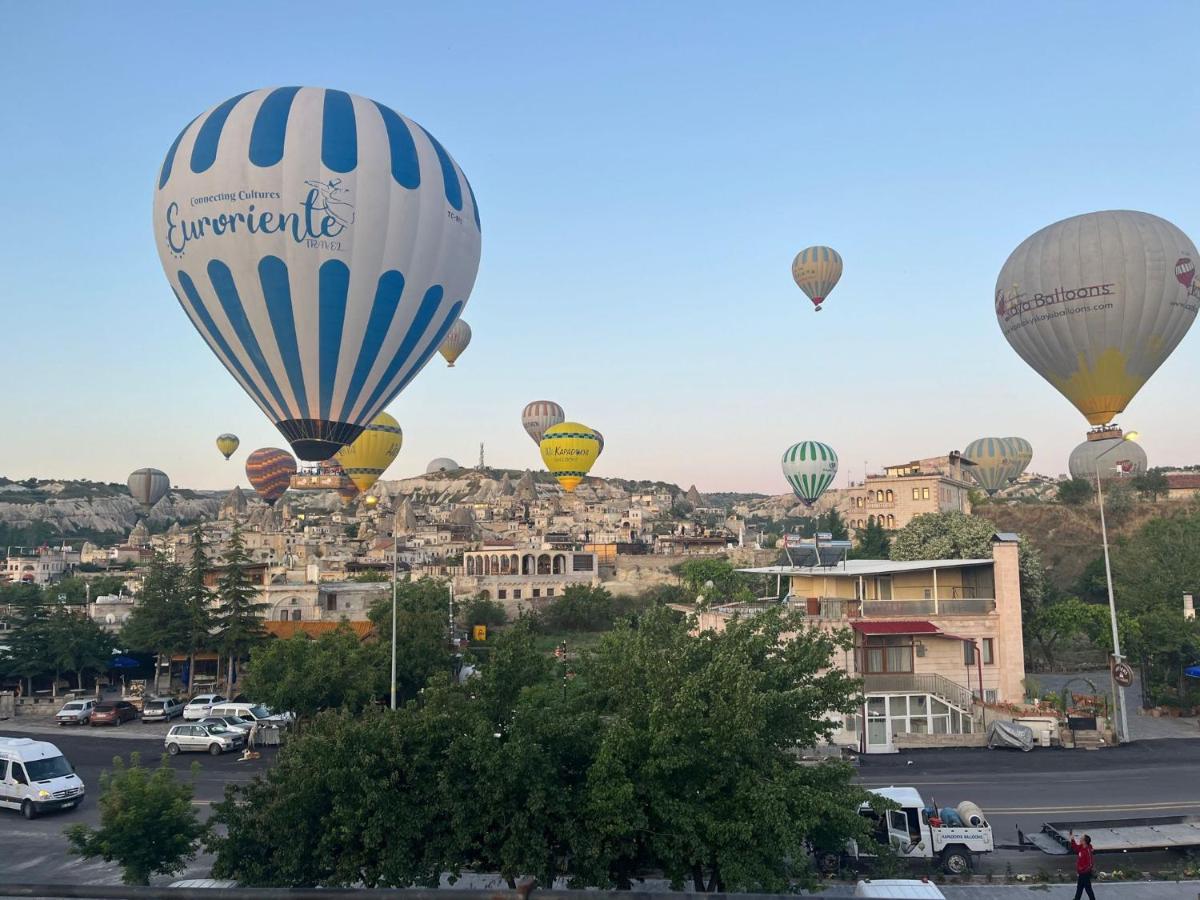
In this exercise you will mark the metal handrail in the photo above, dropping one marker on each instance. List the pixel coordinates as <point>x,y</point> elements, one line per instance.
<point>924,683</point>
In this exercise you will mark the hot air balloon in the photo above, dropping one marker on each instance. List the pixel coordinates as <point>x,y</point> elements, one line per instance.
<point>323,246</point>
<point>809,467</point>
<point>370,501</point>
<point>1022,456</point>
<point>816,271</point>
<point>539,415</point>
<point>1096,303</point>
<point>270,471</point>
<point>227,444</point>
<point>1129,459</point>
<point>440,465</point>
<point>994,462</point>
<point>569,451</point>
<point>148,486</point>
<point>372,451</point>
<point>600,438</point>
<point>456,342</point>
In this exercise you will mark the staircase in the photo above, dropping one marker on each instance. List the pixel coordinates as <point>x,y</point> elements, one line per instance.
<point>1088,739</point>
<point>938,685</point>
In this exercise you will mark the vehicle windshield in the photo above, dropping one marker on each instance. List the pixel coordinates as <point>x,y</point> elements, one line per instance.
<point>218,729</point>
<point>258,712</point>
<point>156,704</point>
<point>45,769</point>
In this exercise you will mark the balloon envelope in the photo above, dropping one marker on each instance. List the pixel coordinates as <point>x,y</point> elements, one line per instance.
<point>270,471</point>
<point>1022,455</point>
<point>539,415</point>
<point>816,271</point>
<point>323,246</point>
<point>994,462</point>
<point>1096,303</point>
<point>228,444</point>
<point>1120,457</point>
<point>441,464</point>
<point>148,486</point>
<point>456,342</point>
<point>809,468</point>
<point>372,451</point>
<point>569,451</point>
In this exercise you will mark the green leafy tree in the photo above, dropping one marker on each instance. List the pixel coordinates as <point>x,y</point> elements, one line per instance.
<point>1118,500</point>
<point>833,524</point>
<point>482,611</point>
<point>422,632</point>
<point>26,655</point>
<point>728,584</point>
<point>370,576</point>
<point>1057,623</point>
<point>160,622</point>
<point>1151,484</point>
<point>1076,491</point>
<point>872,541</point>
<point>106,585</point>
<point>239,617</point>
<point>148,824</point>
<point>197,599</point>
<point>76,643</point>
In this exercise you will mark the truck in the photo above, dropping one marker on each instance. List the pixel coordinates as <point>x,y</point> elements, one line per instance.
<point>917,831</point>
<point>1144,834</point>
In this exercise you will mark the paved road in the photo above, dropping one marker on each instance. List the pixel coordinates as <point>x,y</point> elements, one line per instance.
<point>37,852</point>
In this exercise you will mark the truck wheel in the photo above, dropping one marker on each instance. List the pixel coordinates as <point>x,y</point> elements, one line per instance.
<point>173,749</point>
<point>956,860</point>
<point>28,810</point>
<point>214,749</point>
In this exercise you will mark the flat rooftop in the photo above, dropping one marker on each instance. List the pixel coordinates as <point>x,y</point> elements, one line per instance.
<point>856,567</point>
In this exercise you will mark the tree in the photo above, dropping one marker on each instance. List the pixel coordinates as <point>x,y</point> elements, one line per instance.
<point>422,632</point>
<point>105,585</point>
<point>482,611</point>
<point>1055,623</point>
<point>239,617</point>
<point>26,654</point>
<point>872,541</point>
<point>728,584</point>
<point>1151,484</point>
<point>147,822</point>
<point>833,524</point>
<point>303,675</point>
<point>198,617</point>
<point>1075,492</point>
<point>160,622</point>
<point>76,643</point>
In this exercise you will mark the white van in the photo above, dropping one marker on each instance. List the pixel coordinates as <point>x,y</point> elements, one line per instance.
<point>35,777</point>
<point>252,712</point>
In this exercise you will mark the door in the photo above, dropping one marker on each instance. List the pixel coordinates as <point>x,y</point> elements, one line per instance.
<point>878,730</point>
<point>7,789</point>
<point>18,783</point>
<point>900,835</point>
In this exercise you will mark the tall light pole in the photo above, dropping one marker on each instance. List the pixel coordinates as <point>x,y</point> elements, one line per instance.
<point>395,556</point>
<point>1118,690</point>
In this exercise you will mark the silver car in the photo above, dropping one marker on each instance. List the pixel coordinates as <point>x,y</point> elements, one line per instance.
<point>233,723</point>
<point>214,739</point>
<point>161,709</point>
<point>76,712</point>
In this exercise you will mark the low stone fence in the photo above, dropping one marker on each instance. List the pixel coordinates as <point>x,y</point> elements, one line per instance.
<point>919,741</point>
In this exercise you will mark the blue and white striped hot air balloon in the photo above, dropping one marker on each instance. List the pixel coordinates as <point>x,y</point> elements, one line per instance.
<point>323,245</point>
<point>810,468</point>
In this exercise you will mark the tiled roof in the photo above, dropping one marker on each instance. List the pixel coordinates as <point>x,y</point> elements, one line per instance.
<point>315,629</point>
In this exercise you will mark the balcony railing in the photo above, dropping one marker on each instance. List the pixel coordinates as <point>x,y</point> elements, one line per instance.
<point>840,609</point>
<point>929,683</point>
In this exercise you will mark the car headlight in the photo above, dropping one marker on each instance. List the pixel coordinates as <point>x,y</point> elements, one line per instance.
<point>43,794</point>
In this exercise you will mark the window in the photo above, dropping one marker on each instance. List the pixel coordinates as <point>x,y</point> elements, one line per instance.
<point>18,773</point>
<point>989,652</point>
<point>549,592</point>
<point>537,592</point>
<point>916,493</point>
<point>891,522</point>
<point>583,562</point>
<point>516,593</point>
<point>887,654</point>
<point>879,496</point>
<point>501,594</point>
<point>883,587</point>
<point>295,615</point>
<point>968,653</point>
<point>283,615</point>
<point>331,603</point>
<point>989,695</point>
<point>924,493</point>
<point>890,496</point>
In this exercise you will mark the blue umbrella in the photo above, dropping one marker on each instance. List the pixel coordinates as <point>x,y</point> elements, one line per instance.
<point>1192,671</point>
<point>124,662</point>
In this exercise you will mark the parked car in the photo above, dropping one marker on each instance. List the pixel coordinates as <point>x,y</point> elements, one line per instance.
<point>200,706</point>
<point>113,712</point>
<point>161,709</point>
<point>36,777</point>
<point>194,736</point>
<point>254,712</point>
<point>234,723</point>
<point>75,712</point>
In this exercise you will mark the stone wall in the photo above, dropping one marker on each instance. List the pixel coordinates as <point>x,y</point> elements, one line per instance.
<point>636,573</point>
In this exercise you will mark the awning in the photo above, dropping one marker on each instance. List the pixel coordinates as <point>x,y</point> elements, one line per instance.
<point>882,627</point>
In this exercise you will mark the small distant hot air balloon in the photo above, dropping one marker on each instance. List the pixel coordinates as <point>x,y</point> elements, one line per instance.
<point>370,501</point>
<point>994,462</point>
<point>817,271</point>
<point>227,444</point>
<point>1094,305</point>
<point>456,341</point>
<point>569,451</point>
<point>539,415</point>
<point>148,486</point>
<point>809,468</point>
<point>372,451</point>
<point>270,471</point>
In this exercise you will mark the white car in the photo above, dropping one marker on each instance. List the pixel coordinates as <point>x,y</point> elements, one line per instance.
<point>233,723</point>
<point>75,712</point>
<point>201,706</point>
<point>254,712</point>
<point>161,709</point>
<point>214,739</point>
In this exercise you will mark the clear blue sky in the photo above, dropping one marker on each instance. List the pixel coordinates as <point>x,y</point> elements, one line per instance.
<point>645,172</point>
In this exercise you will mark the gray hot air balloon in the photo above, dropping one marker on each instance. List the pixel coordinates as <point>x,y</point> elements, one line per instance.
<point>1129,459</point>
<point>994,462</point>
<point>1097,302</point>
<point>539,415</point>
<point>1022,455</point>
<point>148,486</point>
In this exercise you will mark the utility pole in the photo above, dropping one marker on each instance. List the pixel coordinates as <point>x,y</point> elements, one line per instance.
<point>395,555</point>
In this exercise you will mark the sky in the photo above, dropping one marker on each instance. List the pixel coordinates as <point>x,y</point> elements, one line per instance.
<point>645,174</point>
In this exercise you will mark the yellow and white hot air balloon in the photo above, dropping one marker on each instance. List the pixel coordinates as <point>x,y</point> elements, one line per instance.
<point>817,271</point>
<point>569,451</point>
<point>228,444</point>
<point>1096,303</point>
<point>372,451</point>
<point>455,342</point>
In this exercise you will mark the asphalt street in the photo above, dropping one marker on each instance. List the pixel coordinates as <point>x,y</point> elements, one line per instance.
<point>36,851</point>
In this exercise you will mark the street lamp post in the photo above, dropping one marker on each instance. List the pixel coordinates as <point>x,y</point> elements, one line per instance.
<point>395,555</point>
<point>1118,690</point>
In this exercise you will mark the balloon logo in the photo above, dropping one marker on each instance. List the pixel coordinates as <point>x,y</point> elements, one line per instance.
<point>372,451</point>
<point>539,415</point>
<point>270,471</point>
<point>228,444</point>
<point>816,271</point>
<point>456,342</point>
<point>1185,271</point>
<point>148,486</point>
<point>569,451</point>
<point>809,468</point>
<point>323,246</point>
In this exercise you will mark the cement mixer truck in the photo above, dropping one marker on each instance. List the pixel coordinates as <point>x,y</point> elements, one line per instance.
<point>952,835</point>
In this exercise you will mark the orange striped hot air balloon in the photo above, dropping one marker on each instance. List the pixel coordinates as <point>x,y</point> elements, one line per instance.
<point>270,471</point>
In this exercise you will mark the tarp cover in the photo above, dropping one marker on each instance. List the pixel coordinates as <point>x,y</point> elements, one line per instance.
<point>1010,736</point>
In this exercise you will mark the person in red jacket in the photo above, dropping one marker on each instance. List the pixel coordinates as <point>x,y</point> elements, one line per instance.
<point>1083,865</point>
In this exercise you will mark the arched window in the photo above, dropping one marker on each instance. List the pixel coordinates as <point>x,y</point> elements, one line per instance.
<point>891,521</point>
<point>470,565</point>
<point>504,570</point>
<point>495,564</point>
<point>543,564</point>
<point>889,495</point>
<point>516,564</point>
<point>560,564</point>
<point>879,496</point>
<point>527,564</point>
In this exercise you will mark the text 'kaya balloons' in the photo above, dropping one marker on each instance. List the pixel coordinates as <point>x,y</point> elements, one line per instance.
<point>372,451</point>
<point>809,468</point>
<point>539,415</point>
<point>228,444</point>
<point>270,471</point>
<point>148,486</point>
<point>323,245</point>
<point>817,271</point>
<point>569,451</point>
<point>456,342</point>
<point>1096,303</point>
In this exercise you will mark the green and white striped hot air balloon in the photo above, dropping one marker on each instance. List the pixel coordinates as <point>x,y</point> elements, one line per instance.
<point>1022,456</point>
<point>995,462</point>
<point>809,467</point>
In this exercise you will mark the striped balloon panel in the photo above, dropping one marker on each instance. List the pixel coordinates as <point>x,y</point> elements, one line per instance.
<point>456,342</point>
<point>809,468</point>
<point>148,486</point>
<point>994,462</point>
<point>1022,455</point>
<point>816,271</point>
<point>540,415</point>
<point>270,471</point>
<point>323,245</point>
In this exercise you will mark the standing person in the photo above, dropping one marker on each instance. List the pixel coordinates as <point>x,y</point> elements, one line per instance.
<point>1083,865</point>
